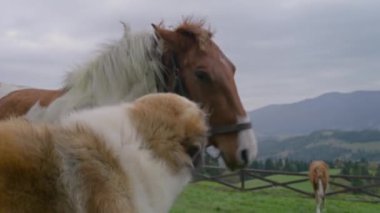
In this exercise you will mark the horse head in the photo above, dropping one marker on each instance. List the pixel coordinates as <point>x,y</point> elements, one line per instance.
<point>199,70</point>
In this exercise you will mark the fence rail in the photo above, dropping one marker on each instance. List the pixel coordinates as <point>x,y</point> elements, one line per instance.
<point>259,174</point>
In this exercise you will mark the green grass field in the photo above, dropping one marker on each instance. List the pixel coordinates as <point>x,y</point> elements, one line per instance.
<point>213,197</point>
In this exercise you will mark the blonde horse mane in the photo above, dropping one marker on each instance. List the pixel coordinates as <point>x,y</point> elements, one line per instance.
<point>131,64</point>
<point>122,71</point>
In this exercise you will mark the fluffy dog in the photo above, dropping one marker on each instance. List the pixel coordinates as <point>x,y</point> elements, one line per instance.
<point>133,157</point>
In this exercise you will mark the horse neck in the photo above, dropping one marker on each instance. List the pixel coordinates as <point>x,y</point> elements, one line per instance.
<point>123,71</point>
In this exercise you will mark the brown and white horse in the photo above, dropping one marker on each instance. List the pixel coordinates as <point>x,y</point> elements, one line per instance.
<point>319,178</point>
<point>184,60</point>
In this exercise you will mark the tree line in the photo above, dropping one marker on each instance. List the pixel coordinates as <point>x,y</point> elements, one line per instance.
<point>280,165</point>
<point>359,168</point>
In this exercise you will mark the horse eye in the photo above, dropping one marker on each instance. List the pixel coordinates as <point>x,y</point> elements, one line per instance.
<point>202,76</point>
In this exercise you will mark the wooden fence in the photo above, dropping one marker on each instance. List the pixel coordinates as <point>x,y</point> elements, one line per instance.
<point>240,179</point>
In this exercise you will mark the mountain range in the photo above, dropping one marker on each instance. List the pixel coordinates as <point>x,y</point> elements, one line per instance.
<point>331,111</point>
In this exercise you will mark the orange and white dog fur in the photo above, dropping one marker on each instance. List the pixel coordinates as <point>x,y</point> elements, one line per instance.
<point>133,158</point>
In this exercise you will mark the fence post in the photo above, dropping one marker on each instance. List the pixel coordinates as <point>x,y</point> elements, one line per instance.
<point>242,180</point>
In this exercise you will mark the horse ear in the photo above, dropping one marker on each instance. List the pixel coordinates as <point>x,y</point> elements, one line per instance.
<point>171,38</point>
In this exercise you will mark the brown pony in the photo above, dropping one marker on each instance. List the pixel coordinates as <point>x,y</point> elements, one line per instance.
<point>319,178</point>
<point>184,60</point>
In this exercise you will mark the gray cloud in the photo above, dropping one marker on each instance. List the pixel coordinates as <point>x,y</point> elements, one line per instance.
<point>284,50</point>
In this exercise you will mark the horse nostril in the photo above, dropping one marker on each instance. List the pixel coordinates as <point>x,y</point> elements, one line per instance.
<point>244,156</point>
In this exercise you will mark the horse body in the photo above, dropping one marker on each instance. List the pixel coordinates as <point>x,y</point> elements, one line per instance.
<point>319,178</point>
<point>8,88</point>
<point>19,102</point>
<point>184,60</point>
<point>132,158</point>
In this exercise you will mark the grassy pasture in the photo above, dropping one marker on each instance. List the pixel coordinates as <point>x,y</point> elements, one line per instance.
<point>212,197</point>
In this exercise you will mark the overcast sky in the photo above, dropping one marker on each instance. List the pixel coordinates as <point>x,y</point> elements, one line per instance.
<point>284,51</point>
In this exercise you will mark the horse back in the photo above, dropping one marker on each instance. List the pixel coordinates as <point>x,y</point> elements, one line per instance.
<point>319,170</point>
<point>18,103</point>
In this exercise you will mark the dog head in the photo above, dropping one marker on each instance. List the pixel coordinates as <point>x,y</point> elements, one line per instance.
<point>172,127</point>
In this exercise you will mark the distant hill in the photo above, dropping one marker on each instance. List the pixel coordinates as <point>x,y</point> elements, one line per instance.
<point>341,111</point>
<point>325,145</point>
